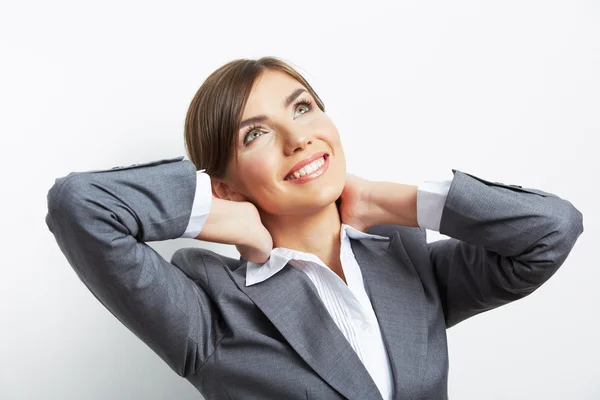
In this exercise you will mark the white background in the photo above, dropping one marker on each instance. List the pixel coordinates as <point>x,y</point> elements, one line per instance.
<point>508,91</point>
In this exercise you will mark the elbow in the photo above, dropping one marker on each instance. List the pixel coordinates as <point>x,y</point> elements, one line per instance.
<point>575,221</point>
<point>64,201</point>
<point>573,225</point>
<point>547,255</point>
<point>569,227</point>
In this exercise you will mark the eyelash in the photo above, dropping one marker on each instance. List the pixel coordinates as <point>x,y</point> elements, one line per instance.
<point>252,128</point>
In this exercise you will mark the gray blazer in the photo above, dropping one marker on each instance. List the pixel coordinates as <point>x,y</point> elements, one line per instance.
<point>276,340</point>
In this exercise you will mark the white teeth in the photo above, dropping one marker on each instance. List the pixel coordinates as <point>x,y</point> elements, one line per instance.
<point>307,169</point>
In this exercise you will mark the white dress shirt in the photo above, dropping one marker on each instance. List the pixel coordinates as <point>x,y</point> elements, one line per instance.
<point>348,304</point>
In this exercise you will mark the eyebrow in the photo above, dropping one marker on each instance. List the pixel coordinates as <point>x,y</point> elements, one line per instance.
<point>288,100</point>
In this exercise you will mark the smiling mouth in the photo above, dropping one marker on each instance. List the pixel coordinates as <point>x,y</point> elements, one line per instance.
<point>314,169</point>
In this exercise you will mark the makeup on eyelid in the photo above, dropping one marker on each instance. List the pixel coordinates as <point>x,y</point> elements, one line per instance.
<point>307,103</point>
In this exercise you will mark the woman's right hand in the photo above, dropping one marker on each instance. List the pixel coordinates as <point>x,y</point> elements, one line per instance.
<point>256,242</point>
<point>238,223</point>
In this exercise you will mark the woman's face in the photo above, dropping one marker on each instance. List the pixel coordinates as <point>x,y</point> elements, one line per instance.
<point>281,126</point>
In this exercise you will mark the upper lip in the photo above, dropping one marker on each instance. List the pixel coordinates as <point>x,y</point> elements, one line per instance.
<point>306,161</point>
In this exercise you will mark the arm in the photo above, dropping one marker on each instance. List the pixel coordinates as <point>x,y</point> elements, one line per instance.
<point>506,241</point>
<point>231,222</point>
<point>101,219</point>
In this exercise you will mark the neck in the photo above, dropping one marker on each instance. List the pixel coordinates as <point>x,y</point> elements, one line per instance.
<point>316,232</point>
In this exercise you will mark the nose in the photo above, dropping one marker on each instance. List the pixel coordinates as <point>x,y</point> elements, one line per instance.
<point>296,140</point>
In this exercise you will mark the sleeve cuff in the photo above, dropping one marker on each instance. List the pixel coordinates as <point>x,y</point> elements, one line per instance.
<point>431,198</point>
<point>201,205</point>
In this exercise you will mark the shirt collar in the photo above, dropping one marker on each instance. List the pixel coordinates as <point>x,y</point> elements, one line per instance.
<point>280,256</point>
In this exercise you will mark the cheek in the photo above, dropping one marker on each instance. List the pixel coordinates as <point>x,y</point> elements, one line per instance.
<point>327,129</point>
<point>257,172</point>
<point>329,134</point>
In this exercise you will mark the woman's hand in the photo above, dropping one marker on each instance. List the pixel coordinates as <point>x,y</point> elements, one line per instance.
<point>238,223</point>
<point>354,207</point>
<point>256,243</point>
<point>366,203</point>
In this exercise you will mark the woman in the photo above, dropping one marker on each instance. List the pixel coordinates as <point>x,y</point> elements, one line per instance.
<point>315,308</point>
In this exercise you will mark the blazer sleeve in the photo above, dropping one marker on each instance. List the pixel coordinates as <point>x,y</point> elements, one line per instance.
<point>101,219</point>
<point>506,241</point>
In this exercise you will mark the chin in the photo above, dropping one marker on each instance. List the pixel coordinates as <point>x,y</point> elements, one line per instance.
<point>303,203</point>
<point>324,196</point>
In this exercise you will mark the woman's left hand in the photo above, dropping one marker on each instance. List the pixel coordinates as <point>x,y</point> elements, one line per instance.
<point>366,203</point>
<point>354,207</point>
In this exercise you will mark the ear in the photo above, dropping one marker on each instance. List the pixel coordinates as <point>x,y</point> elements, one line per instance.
<point>225,191</point>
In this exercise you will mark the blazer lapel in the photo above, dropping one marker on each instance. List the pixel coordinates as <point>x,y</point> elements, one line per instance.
<point>290,301</point>
<point>397,296</point>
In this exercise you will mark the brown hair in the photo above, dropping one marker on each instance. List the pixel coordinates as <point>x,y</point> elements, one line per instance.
<point>214,116</point>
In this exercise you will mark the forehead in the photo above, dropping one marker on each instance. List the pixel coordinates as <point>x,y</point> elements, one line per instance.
<point>270,90</point>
